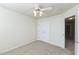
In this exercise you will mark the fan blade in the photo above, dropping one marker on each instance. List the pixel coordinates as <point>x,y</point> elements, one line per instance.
<point>44,9</point>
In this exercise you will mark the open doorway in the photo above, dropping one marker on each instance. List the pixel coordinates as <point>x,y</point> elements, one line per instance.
<point>70,34</point>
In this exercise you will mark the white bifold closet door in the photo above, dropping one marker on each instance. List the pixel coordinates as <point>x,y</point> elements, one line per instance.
<point>51,31</point>
<point>43,31</point>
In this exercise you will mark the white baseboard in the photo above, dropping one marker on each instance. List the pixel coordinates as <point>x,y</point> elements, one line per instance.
<point>50,42</point>
<point>16,47</point>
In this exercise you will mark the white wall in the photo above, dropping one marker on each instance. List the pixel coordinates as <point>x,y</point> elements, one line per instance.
<point>57,31</point>
<point>77,33</point>
<point>15,30</point>
<point>57,27</point>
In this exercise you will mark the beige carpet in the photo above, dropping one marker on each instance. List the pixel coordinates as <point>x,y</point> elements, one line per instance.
<point>38,48</point>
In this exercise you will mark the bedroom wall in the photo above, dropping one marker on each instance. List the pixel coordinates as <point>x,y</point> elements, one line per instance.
<point>77,33</point>
<point>15,30</point>
<point>56,28</point>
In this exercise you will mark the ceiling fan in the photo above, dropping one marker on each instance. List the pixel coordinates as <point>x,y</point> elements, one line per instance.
<point>37,10</point>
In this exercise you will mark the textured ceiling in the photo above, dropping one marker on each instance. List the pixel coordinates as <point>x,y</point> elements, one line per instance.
<point>27,8</point>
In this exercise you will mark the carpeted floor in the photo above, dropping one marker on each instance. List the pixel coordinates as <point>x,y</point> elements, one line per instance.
<point>38,48</point>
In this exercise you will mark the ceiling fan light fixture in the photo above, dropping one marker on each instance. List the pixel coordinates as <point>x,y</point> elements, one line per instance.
<point>35,13</point>
<point>40,13</point>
